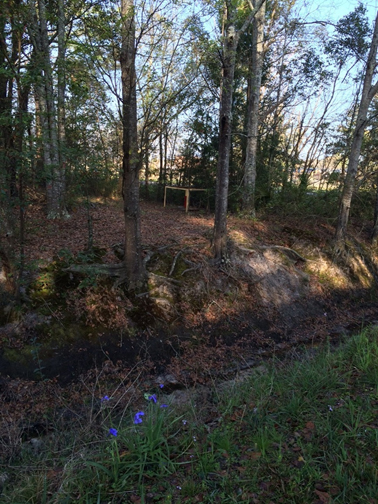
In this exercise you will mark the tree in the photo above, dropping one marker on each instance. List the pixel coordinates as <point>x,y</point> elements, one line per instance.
<point>231,37</point>
<point>134,269</point>
<point>44,91</point>
<point>15,85</point>
<point>165,77</point>
<point>368,92</point>
<point>253,99</point>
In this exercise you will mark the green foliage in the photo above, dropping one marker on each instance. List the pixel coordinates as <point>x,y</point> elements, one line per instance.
<point>352,32</point>
<point>294,431</point>
<point>51,280</point>
<point>296,201</point>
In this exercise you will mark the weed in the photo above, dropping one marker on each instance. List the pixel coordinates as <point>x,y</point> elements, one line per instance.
<point>304,431</point>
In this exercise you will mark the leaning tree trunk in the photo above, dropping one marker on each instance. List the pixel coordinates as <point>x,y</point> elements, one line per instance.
<point>254,85</point>
<point>368,93</point>
<point>134,270</point>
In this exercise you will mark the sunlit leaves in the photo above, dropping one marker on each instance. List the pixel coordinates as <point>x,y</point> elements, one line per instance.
<point>352,36</point>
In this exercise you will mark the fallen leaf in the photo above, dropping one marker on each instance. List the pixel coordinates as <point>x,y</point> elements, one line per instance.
<point>135,499</point>
<point>310,426</point>
<point>324,497</point>
<point>255,455</point>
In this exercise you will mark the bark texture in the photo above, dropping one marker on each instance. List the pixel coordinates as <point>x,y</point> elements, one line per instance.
<point>61,64</point>
<point>374,235</point>
<point>230,45</point>
<point>368,92</point>
<point>134,270</point>
<point>220,223</point>
<point>254,86</point>
<point>44,89</point>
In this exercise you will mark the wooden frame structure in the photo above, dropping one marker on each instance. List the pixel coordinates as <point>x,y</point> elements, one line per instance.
<point>187,194</point>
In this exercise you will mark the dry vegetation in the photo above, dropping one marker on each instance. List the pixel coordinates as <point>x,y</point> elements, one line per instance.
<point>279,291</point>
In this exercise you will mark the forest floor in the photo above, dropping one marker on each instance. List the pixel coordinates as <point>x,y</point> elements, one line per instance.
<point>279,293</point>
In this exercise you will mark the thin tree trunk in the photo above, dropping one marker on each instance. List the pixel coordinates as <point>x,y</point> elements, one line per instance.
<point>6,102</point>
<point>229,57</point>
<point>368,92</point>
<point>254,85</point>
<point>230,44</point>
<point>21,125</point>
<point>165,157</point>
<point>147,166</point>
<point>160,190</point>
<point>374,236</point>
<point>55,185</point>
<point>7,154</point>
<point>61,66</point>
<point>135,274</point>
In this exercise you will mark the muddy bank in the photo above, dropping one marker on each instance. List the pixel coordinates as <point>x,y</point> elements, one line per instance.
<point>195,318</point>
<point>192,354</point>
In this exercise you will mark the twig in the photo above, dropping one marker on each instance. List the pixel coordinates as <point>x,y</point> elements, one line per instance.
<point>191,269</point>
<point>191,263</point>
<point>286,250</point>
<point>149,254</point>
<point>53,314</point>
<point>174,262</point>
<point>160,249</point>
<point>229,274</point>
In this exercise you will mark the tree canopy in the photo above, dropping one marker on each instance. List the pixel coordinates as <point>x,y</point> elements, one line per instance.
<point>245,98</point>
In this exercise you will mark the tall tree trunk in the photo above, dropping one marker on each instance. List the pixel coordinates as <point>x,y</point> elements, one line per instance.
<point>135,274</point>
<point>161,181</point>
<point>374,236</point>
<point>7,164</point>
<point>254,85</point>
<point>55,186</point>
<point>147,166</point>
<point>21,126</point>
<point>7,63</point>
<point>165,157</point>
<point>368,92</point>
<point>230,45</point>
<point>61,68</point>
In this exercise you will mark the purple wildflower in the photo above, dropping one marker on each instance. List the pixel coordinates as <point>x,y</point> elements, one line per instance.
<point>137,419</point>
<point>105,398</point>
<point>113,432</point>
<point>161,385</point>
<point>152,398</point>
<point>163,405</point>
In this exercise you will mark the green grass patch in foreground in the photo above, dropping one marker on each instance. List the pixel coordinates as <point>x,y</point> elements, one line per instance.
<point>304,431</point>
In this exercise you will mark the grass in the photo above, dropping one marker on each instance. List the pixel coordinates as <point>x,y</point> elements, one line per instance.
<point>305,431</point>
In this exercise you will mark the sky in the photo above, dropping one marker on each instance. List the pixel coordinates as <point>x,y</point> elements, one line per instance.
<point>333,10</point>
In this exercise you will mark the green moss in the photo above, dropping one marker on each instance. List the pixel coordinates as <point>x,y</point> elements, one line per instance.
<point>161,264</point>
<point>43,287</point>
<point>21,356</point>
<point>180,267</point>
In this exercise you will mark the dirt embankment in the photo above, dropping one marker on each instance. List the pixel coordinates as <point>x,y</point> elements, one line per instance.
<point>279,288</point>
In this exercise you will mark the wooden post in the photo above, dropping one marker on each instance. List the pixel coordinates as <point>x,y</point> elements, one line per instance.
<point>187,192</point>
